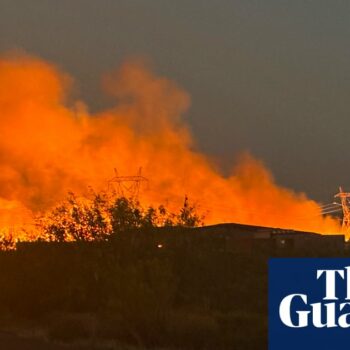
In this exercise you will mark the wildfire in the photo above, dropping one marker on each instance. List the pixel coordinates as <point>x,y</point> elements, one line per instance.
<point>50,145</point>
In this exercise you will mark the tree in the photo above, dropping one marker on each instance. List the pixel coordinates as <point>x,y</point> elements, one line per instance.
<point>78,219</point>
<point>97,217</point>
<point>125,214</point>
<point>188,216</point>
<point>7,241</point>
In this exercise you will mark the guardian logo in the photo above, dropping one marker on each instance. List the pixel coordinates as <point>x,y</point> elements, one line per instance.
<point>309,304</point>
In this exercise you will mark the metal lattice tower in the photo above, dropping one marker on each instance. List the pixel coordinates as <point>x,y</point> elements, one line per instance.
<point>346,208</point>
<point>128,186</point>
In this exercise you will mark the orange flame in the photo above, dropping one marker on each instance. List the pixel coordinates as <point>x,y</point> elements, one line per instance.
<point>49,146</point>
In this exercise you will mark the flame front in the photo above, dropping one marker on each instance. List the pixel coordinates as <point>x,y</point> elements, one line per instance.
<point>49,146</point>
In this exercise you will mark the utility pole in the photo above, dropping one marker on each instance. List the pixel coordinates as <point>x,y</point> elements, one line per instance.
<point>346,209</point>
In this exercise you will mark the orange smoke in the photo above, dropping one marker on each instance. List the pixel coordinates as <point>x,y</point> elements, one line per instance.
<point>49,146</point>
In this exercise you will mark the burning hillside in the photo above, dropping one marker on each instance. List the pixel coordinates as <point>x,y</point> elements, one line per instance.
<point>50,145</point>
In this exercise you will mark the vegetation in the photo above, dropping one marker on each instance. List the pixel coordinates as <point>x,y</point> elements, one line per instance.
<point>113,271</point>
<point>109,271</point>
<point>130,290</point>
<point>98,218</point>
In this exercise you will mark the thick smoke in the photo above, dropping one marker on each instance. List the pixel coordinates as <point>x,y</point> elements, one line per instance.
<point>49,146</point>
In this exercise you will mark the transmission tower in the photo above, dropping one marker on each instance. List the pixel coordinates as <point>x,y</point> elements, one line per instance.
<point>128,186</point>
<point>346,209</point>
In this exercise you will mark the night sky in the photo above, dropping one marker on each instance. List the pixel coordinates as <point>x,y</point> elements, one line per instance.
<point>271,77</point>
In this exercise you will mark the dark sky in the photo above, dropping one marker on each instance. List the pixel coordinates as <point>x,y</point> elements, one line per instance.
<point>271,76</point>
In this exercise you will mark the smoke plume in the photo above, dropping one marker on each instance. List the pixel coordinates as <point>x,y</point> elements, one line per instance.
<point>49,146</point>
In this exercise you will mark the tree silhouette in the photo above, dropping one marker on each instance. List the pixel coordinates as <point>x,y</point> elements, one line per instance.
<point>188,216</point>
<point>96,218</point>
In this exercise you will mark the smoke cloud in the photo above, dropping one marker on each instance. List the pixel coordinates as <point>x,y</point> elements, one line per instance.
<point>50,145</point>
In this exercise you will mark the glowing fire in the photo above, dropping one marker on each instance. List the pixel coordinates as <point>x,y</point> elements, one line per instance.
<point>50,145</point>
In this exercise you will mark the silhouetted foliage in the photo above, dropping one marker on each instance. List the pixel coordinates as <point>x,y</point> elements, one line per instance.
<point>77,220</point>
<point>7,241</point>
<point>173,287</point>
<point>98,217</point>
<point>126,214</point>
<point>137,293</point>
<point>188,216</point>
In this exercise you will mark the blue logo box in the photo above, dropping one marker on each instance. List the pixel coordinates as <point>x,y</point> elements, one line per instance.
<point>309,304</point>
